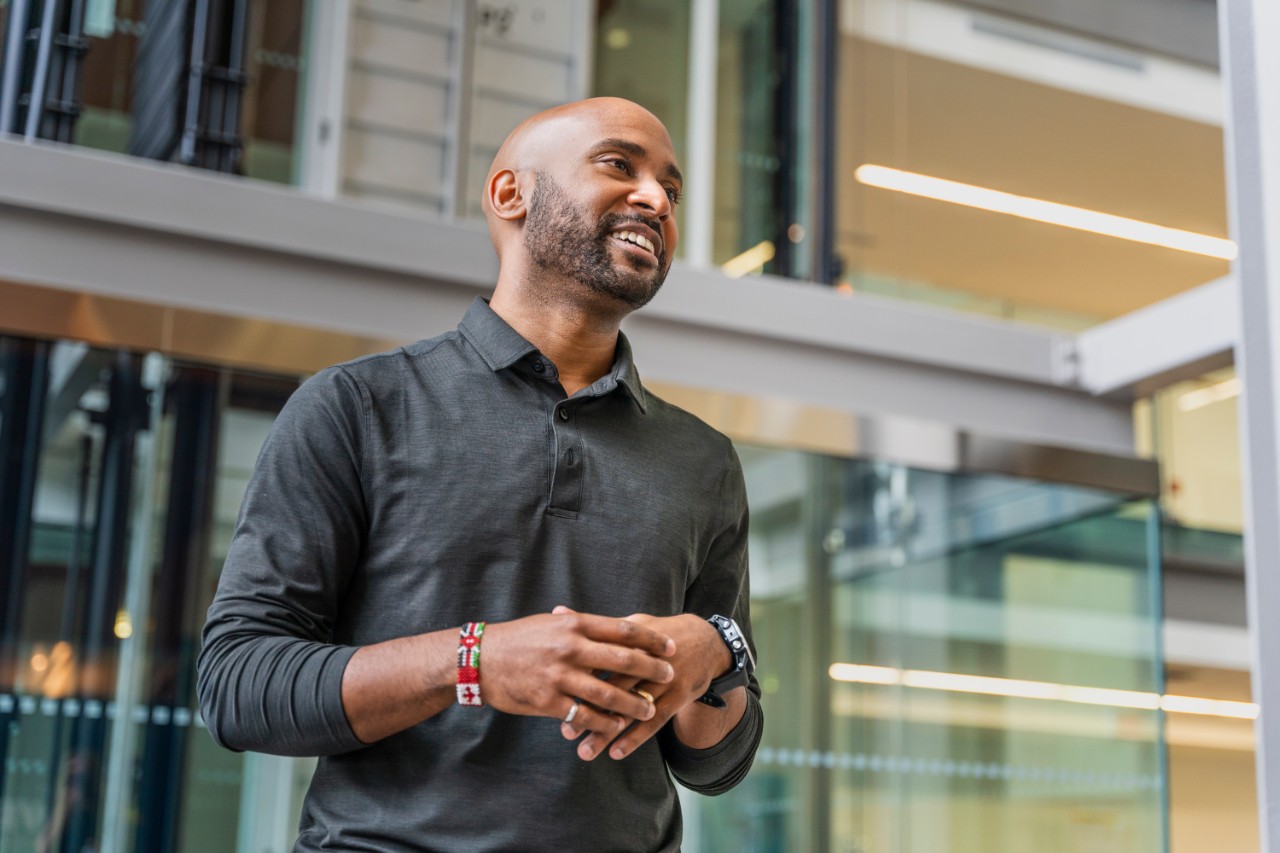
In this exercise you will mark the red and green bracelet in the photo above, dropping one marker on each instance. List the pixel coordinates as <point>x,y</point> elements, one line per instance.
<point>469,664</point>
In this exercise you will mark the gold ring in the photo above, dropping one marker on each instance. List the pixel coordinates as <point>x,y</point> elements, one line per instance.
<point>645,693</point>
<point>573,712</point>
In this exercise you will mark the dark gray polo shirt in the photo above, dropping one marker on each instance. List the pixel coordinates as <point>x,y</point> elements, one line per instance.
<point>451,481</point>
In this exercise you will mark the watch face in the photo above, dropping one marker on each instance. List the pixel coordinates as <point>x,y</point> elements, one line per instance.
<point>737,643</point>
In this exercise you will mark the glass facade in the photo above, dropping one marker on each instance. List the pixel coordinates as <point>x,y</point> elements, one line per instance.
<point>921,633</point>
<point>957,122</point>
<point>405,101</point>
<point>274,60</point>
<point>905,619</point>
<point>110,562</point>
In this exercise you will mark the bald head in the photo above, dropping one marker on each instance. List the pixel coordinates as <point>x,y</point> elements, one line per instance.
<point>542,139</point>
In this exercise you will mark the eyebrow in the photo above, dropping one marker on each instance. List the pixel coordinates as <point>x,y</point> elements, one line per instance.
<point>635,150</point>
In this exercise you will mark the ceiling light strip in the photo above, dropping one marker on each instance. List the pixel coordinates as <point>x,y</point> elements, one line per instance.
<point>1216,393</point>
<point>1040,210</point>
<point>751,260</point>
<point>1043,690</point>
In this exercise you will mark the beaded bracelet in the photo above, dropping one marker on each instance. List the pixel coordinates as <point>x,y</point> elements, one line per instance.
<point>469,664</point>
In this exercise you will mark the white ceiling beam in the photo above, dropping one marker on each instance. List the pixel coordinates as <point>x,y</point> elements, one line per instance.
<point>1177,338</point>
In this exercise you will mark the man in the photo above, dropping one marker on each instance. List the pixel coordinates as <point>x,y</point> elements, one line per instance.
<point>514,472</point>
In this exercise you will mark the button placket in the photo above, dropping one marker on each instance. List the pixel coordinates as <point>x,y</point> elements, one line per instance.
<point>566,483</point>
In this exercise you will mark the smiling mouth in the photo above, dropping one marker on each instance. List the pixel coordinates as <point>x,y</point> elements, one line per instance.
<point>636,240</point>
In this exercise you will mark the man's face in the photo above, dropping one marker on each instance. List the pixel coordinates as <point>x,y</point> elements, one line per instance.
<point>563,238</point>
<point>610,225</point>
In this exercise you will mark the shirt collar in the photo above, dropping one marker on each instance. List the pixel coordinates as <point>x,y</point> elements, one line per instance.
<point>502,346</point>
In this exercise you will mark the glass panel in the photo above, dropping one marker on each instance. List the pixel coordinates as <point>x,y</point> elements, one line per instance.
<point>757,98</point>
<point>1046,101</point>
<point>979,665</point>
<point>642,54</point>
<point>91,412</point>
<point>1192,428</point>
<point>268,116</point>
<point>138,468</point>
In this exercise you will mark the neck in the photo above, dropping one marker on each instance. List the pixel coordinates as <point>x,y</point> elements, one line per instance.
<point>579,337</point>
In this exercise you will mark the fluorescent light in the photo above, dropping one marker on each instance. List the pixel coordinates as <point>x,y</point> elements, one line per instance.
<point>1215,393</point>
<point>1209,707</point>
<point>1040,210</point>
<point>751,260</point>
<point>1044,690</point>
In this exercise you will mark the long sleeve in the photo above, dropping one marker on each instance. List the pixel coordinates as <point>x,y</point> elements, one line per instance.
<point>270,677</point>
<point>722,587</point>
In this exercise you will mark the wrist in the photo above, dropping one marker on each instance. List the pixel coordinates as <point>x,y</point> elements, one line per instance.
<point>737,673</point>
<point>468,672</point>
<point>721,659</point>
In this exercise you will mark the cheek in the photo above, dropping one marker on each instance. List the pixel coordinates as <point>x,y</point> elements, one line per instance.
<point>670,237</point>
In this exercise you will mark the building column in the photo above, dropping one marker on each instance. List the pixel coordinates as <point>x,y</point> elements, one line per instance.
<point>1249,31</point>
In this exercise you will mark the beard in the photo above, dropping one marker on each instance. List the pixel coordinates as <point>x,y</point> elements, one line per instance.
<point>561,239</point>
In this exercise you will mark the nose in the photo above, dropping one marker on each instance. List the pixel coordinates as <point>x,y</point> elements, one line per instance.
<point>650,194</point>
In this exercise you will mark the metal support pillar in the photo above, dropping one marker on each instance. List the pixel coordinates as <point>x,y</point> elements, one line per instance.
<point>824,266</point>
<point>1249,31</point>
<point>41,73</point>
<point>193,399</point>
<point>14,66</point>
<point>97,644</point>
<point>211,125</point>
<point>704,51</point>
<point>26,365</point>
<point>820,514</point>
<point>189,83</point>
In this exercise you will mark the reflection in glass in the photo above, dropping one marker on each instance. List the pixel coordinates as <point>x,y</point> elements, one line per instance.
<point>273,60</point>
<point>128,472</point>
<point>947,590</point>
<point>1044,101</point>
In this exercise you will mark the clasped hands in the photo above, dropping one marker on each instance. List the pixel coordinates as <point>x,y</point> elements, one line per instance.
<point>601,664</point>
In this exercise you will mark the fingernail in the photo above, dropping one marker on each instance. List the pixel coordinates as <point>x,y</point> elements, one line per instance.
<point>586,752</point>
<point>671,647</point>
<point>671,673</point>
<point>617,753</point>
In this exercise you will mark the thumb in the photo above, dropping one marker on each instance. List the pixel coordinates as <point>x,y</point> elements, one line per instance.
<point>560,610</point>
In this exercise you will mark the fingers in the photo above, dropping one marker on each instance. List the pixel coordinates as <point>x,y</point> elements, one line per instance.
<point>621,632</point>
<point>623,663</point>
<point>631,737</point>
<point>581,717</point>
<point>630,741</point>
<point>607,697</point>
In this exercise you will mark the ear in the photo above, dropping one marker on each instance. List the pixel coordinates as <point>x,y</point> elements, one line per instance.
<point>505,195</point>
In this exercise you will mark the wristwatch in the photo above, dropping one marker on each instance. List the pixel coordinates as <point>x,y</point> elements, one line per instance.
<point>743,663</point>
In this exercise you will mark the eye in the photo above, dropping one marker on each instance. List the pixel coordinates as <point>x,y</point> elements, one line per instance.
<point>621,164</point>
<point>673,195</point>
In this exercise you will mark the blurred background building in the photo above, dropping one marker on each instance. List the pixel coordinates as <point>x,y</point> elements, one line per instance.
<point>953,273</point>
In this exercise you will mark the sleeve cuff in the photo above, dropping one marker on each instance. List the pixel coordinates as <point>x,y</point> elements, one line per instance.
<point>718,768</point>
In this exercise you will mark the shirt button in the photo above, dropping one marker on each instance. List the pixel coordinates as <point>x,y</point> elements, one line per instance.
<point>539,367</point>
<point>564,414</point>
<point>570,458</point>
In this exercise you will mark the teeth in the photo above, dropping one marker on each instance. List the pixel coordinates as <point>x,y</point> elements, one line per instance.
<point>639,240</point>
